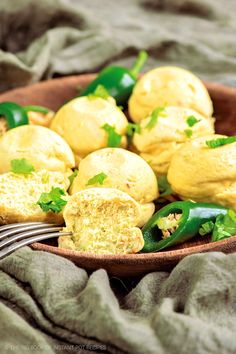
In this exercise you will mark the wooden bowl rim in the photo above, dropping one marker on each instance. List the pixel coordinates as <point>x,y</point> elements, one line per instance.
<point>127,259</point>
<point>138,257</point>
<point>210,85</point>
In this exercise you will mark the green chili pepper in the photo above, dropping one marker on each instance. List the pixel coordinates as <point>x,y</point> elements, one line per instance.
<point>14,114</point>
<point>118,81</point>
<point>190,218</point>
<point>39,109</point>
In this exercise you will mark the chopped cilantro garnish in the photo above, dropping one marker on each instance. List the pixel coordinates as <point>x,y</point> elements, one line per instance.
<point>133,128</point>
<point>22,166</point>
<point>97,179</point>
<point>52,201</point>
<point>154,117</point>
<point>220,142</point>
<point>191,121</point>
<point>206,228</point>
<point>164,186</point>
<point>225,226</point>
<point>188,132</point>
<point>100,92</point>
<point>72,176</point>
<point>114,139</point>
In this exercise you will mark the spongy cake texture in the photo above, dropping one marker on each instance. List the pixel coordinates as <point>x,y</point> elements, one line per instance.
<point>19,195</point>
<point>80,123</point>
<point>203,174</point>
<point>102,221</point>
<point>125,171</point>
<point>158,144</point>
<point>168,86</point>
<point>42,147</point>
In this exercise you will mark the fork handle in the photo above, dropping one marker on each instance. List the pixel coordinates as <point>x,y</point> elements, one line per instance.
<point>15,246</point>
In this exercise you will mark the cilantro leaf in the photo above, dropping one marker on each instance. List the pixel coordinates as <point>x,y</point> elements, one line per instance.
<point>154,117</point>
<point>133,128</point>
<point>114,139</point>
<point>97,179</point>
<point>22,166</point>
<point>225,226</point>
<point>188,132</point>
<point>164,186</point>
<point>52,201</point>
<point>215,143</point>
<point>206,228</point>
<point>72,176</point>
<point>191,121</point>
<point>100,92</point>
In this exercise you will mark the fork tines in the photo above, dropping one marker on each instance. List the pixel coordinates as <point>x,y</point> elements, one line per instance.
<point>15,236</point>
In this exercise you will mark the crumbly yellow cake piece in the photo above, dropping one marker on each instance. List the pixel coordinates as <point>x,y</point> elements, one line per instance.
<point>103,221</point>
<point>19,195</point>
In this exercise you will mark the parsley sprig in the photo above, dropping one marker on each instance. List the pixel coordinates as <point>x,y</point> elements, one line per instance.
<point>22,166</point>
<point>53,200</point>
<point>223,227</point>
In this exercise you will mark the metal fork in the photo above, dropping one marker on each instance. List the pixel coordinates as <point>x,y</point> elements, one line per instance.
<point>15,236</point>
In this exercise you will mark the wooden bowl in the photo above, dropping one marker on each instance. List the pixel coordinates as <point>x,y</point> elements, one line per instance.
<point>53,94</point>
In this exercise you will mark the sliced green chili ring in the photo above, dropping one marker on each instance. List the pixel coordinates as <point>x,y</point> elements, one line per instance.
<point>193,216</point>
<point>14,114</point>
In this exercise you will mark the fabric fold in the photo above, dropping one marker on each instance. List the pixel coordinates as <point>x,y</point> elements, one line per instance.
<point>39,40</point>
<point>192,309</point>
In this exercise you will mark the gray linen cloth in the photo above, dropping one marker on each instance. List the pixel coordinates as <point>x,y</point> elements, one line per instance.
<point>39,39</point>
<point>51,306</point>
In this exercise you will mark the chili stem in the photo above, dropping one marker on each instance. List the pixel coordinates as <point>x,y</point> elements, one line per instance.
<point>141,59</point>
